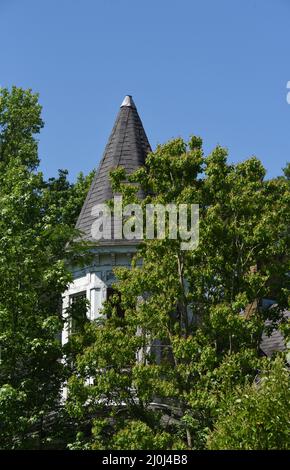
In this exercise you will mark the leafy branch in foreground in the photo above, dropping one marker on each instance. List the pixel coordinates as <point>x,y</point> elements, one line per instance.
<point>193,319</point>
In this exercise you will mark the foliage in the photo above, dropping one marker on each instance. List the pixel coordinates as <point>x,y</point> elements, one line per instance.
<point>193,319</point>
<point>187,314</point>
<point>257,416</point>
<point>36,222</point>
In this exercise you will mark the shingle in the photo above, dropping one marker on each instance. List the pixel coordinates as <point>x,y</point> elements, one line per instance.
<point>127,147</point>
<point>275,342</point>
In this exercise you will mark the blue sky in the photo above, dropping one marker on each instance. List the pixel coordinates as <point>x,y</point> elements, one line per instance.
<point>217,69</point>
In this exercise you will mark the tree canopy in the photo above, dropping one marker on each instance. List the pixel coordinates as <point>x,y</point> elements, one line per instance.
<point>194,319</point>
<point>175,359</point>
<point>37,220</point>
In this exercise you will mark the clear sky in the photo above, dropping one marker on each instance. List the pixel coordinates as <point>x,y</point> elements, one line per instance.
<point>215,68</point>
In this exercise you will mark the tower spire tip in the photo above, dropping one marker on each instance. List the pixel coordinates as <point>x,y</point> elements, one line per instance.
<point>128,101</point>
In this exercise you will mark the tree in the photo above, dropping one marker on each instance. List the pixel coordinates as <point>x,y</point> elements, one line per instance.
<point>193,318</point>
<point>286,171</point>
<point>194,344</point>
<point>65,198</point>
<point>35,225</point>
<point>257,416</point>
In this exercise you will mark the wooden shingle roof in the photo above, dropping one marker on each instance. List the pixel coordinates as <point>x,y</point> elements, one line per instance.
<point>127,147</point>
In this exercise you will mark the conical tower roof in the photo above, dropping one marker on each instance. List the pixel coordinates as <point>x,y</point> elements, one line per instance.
<point>127,147</point>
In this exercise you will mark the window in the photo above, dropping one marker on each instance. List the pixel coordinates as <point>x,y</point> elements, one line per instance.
<point>77,311</point>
